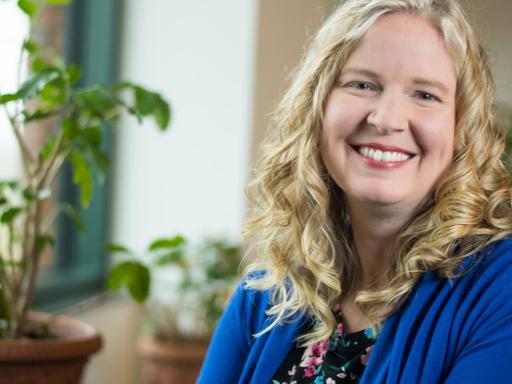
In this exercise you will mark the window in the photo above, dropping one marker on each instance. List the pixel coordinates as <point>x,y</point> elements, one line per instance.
<point>88,32</point>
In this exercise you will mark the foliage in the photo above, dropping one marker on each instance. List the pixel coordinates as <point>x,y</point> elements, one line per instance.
<point>505,121</point>
<point>204,278</point>
<point>505,115</point>
<point>79,115</point>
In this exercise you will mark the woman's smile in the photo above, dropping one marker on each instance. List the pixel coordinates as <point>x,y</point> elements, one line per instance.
<point>382,156</point>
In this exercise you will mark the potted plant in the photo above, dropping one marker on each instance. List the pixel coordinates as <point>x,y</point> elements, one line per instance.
<point>78,115</point>
<point>185,289</point>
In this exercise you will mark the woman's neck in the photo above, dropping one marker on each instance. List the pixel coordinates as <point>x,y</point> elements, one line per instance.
<point>375,229</point>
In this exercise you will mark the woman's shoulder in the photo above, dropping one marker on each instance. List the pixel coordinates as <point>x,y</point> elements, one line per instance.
<point>482,285</point>
<point>494,260</point>
<point>500,249</point>
<point>486,282</point>
<point>253,302</point>
<point>248,294</point>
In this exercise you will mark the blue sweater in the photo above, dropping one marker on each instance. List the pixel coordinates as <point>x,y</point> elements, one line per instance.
<point>448,331</point>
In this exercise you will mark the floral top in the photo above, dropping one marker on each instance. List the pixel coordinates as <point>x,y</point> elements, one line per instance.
<point>338,360</point>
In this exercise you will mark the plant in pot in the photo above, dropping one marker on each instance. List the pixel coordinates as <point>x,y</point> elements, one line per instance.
<point>184,288</point>
<point>51,96</point>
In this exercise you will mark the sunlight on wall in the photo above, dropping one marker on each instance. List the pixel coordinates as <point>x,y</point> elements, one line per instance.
<point>13,28</point>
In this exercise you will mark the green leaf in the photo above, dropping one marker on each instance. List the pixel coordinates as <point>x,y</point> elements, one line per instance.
<point>96,102</point>
<point>39,64</point>
<point>70,128</point>
<point>30,46</point>
<point>117,248</point>
<point>145,101</point>
<point>151,103</point>
<point>53,94</point>
<point>82,176</point>
<point>10,214</point>
<point>12,263</point>
<point>44,240</point>
<point>37,115</point>
<point>73,215</point>
<point>92,136</point>
<point>11,184</point>
<point>162,113</point>
<point>48,148</point>
<point>36,83</point>
<point>28,6</point>
<point>135,276</point>
<point>101,160</point>
<point>58,2</point>
<point>27,194</point>
<point>4,310</point>
<point>173,242</point>
<point>171,258</point>
<point>74,73</point>
<point>7,97</point>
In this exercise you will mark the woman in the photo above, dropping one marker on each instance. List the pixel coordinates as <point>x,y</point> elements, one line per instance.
<point>382,212</point>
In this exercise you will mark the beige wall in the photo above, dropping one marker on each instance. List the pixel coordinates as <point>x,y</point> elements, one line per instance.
<point>493,19</point>
<point>283,28</point>
<point>117,362</point>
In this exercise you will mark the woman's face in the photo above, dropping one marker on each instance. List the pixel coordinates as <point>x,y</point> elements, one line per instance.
<point>389,122</point>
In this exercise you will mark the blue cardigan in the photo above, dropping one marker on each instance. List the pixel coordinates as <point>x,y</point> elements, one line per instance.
<point>448,331</point>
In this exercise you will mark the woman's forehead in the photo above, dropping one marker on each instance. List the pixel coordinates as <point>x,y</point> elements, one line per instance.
<point>404,45</point>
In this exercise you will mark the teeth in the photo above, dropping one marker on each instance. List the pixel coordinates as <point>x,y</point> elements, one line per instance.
<point>378,155</point>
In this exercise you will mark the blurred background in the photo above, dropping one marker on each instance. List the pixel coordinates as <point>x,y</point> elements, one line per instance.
<point>222,65</point>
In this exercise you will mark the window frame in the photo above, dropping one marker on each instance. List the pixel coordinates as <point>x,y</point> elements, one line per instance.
<point>80,266</point>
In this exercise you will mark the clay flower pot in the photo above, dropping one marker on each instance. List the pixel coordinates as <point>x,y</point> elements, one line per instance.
<point>59,360</point>
<point>171,362</point>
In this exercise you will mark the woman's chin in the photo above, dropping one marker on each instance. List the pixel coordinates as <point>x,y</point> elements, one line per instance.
<point>381,198</point>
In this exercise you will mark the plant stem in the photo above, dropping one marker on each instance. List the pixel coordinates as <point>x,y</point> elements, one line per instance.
<point>10,252</point>
<point>42,177</point>
<point>32,267</point>
<point>9,300</point>
<point>54,171</point>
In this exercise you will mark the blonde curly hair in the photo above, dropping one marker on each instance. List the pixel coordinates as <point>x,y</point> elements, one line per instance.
<point>299,222</point>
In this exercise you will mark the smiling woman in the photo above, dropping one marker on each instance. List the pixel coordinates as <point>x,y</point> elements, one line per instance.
<point>382,213</point>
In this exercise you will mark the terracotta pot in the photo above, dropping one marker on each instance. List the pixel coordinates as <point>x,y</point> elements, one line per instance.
<point>44,361</point>
<point>171,362</point>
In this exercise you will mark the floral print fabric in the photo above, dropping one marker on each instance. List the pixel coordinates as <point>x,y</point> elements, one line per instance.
<point>340,359</point>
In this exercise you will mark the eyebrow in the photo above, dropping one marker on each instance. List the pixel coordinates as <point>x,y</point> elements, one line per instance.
<point>431,83</point>
<point>416,80</point>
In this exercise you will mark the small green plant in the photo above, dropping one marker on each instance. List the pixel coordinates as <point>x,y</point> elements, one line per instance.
<point>78,115</point>
<point>505,118</point>
<point>197,282</point>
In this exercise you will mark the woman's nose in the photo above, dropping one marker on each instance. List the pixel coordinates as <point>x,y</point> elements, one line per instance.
<point>388,114</point>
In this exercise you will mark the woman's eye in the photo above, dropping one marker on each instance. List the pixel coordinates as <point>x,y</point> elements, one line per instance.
<point>360,85</point>
<point>427,96</point>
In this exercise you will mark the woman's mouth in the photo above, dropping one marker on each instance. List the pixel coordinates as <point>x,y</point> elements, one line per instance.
<point>382,156</point>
